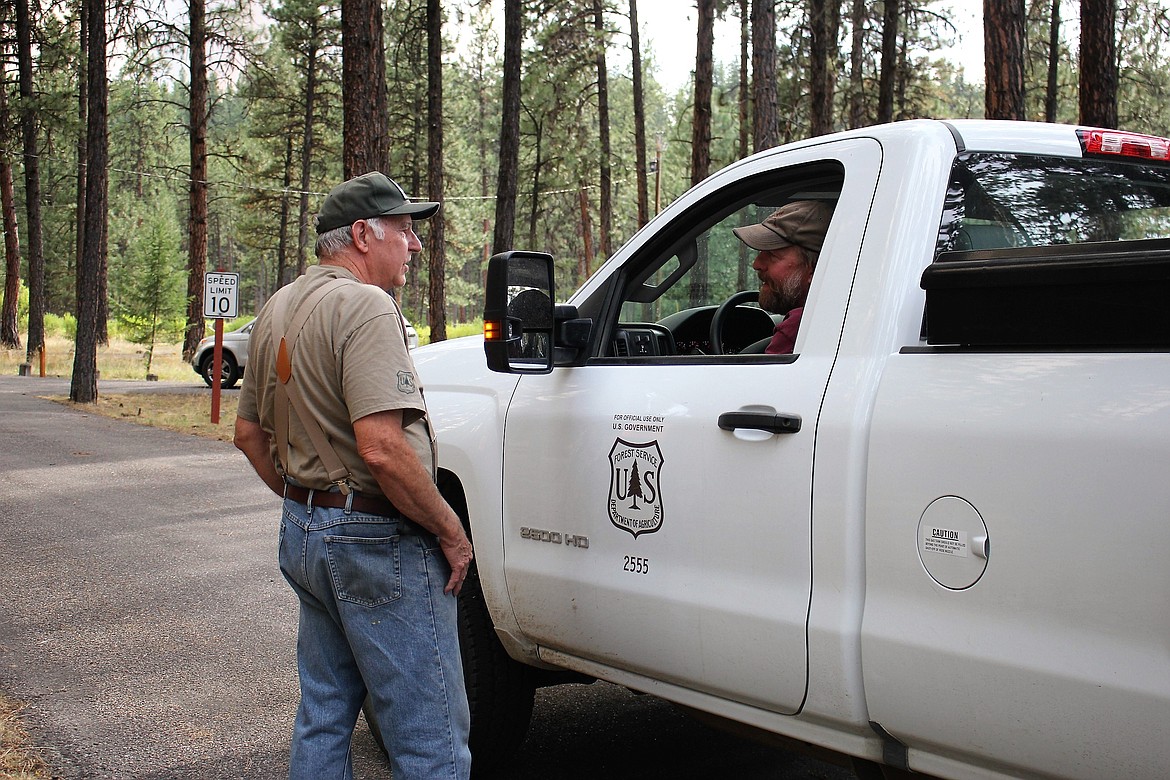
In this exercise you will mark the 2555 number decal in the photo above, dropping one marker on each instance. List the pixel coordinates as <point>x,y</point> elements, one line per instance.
<point>636,565</point>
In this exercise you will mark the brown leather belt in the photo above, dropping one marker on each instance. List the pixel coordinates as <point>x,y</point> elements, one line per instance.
<point>369,505</point>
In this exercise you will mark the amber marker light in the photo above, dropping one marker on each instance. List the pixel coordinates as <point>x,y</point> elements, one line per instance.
<point>493,330</point>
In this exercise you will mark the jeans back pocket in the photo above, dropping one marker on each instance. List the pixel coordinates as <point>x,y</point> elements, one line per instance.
<point>366,570</point>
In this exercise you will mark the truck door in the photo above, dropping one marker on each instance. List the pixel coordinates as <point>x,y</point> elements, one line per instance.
<point>640,533</point>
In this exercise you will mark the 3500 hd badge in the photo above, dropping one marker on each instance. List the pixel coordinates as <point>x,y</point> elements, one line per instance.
<point>554,537</point>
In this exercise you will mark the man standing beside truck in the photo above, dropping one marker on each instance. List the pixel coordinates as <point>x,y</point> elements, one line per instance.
<point>332,418</point>
<point>789,243</point>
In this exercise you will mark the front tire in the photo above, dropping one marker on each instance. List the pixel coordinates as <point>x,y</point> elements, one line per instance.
<point>500,690</point>
<point>229,374</point>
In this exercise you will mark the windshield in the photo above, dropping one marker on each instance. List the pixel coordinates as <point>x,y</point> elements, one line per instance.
<point>1005,200</point>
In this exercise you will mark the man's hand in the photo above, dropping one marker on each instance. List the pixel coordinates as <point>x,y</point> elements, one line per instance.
<point>459,556</point>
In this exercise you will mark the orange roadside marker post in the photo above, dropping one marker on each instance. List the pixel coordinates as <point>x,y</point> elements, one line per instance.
<point>217,360</point>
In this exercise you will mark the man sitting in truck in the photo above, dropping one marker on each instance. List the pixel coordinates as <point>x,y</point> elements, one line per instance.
<point>789,242</point>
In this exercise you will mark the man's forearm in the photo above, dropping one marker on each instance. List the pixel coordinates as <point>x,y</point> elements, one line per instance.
<point>403,479</point>
<point>410,488</point>
<point>251,440</point>
<point>392,461</point>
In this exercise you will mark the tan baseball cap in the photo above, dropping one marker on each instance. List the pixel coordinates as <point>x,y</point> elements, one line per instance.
<point>372,194</point>
<point>801,223</point>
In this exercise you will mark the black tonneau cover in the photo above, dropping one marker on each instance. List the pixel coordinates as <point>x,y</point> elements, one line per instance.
<point>1112,294</point>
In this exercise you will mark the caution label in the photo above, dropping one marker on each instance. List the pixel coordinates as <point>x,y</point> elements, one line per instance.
<point>945,541</point>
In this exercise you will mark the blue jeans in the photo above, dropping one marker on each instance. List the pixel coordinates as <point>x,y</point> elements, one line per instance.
<point>373,617</point>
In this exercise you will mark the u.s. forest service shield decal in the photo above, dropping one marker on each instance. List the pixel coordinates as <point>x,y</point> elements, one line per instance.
<point>635,500</point>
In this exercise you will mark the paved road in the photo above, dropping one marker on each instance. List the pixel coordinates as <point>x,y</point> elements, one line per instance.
<point>145,622</point>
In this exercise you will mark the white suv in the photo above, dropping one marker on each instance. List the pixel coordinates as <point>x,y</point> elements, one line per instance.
<point>235,354</point>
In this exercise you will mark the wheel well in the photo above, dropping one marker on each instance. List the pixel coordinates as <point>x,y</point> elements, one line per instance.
<point>452,490</point>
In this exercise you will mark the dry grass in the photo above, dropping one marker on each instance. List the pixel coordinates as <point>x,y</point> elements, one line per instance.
<point>182,412</point>
<point>18,760</point>
<point>187,413</point>
<point>120,360</point>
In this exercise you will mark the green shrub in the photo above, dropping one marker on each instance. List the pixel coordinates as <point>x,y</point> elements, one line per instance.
<point>22,307</point>
<point>61,325</point>
<point>231,326</point>
<point>455,330</point>
<point>465,329</point>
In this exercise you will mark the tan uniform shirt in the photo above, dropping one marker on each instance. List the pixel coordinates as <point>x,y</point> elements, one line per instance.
<point>350,360</point>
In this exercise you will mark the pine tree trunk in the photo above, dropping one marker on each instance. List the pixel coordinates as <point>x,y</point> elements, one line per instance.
<point>9,325</point>
<point>32,185</point>
<point>485,172</point>
<point>366,144</point>
<point>307,148</point>
<point>103,297</point>
<point>437,245</point>
<point>856,65</point>
<point>103,310</point>
<point>83,388</point>
<point>605,173</point>
<point>902,70</point>
<point>825,21</point>
<point>704,78</point>
<point>585,260</point>
<point>891,20</point>
<point>1004,42</point>
<point>701,128</point>
<point>744,128</point>
<point>639,118</point>
<point>537,169</point>
<point>82,133</point>
<point>765,118</point>
<point>1098,63</point>
<point>743,116</point>
<point>282,261</point>
<point>1050,106</point>
<point>197,192</point>
<point>506,181</point>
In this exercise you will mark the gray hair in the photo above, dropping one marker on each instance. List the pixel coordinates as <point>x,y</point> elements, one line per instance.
<point>333,241</point>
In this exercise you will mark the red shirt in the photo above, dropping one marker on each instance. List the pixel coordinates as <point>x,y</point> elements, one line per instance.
<point>784,339</point>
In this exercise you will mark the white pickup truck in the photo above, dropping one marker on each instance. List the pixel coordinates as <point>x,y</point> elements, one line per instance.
<point>936,538</point>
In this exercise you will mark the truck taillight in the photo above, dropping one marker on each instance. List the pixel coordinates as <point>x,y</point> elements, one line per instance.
<point>1117,143</point>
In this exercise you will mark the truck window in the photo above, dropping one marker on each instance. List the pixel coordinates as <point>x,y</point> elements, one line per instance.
<point>1042,253</point>
<point>998,201</point>
<point>673,288</point>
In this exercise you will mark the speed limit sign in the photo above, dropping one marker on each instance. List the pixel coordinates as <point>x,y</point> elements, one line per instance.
<point>220,294</point>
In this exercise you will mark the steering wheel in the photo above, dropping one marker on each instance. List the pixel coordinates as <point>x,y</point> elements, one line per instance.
<point>722,313</point>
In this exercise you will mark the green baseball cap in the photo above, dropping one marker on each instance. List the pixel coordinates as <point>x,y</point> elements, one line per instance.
<point>372,194</point>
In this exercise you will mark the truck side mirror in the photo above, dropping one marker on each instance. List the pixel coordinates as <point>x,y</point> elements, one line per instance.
<point>518,321</point>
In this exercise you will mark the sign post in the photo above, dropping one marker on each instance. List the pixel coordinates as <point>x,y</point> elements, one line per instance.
<point>220,298</point>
